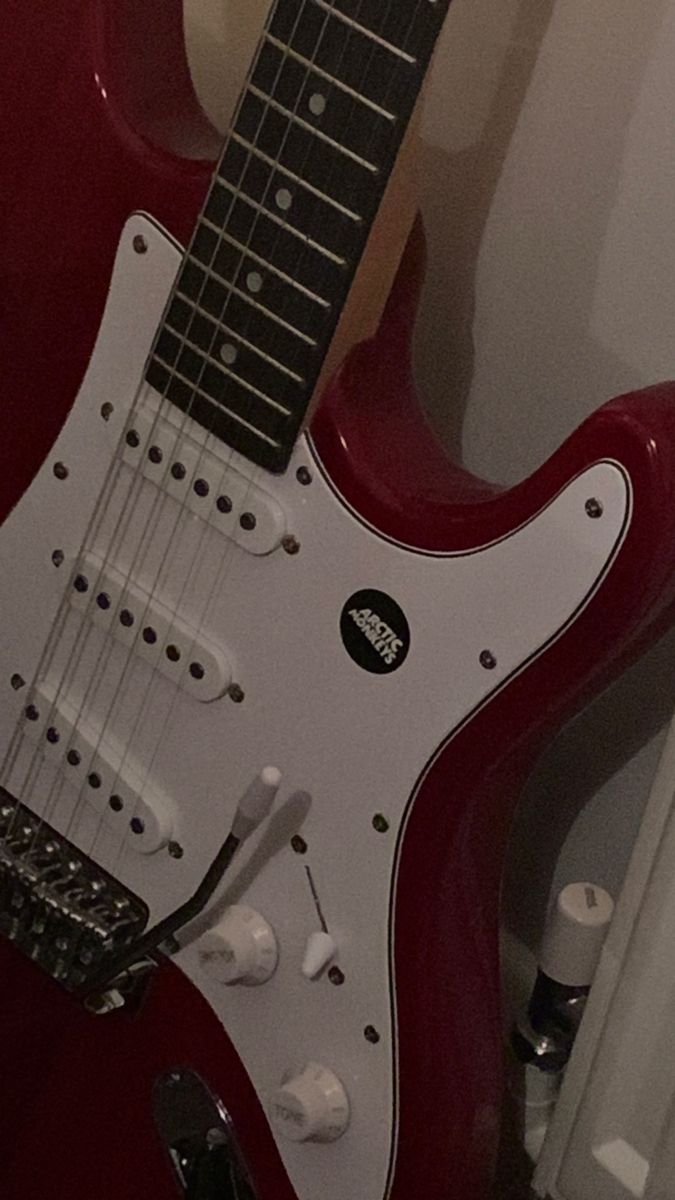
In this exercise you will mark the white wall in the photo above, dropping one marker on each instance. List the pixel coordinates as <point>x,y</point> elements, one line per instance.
<point>548,188</point>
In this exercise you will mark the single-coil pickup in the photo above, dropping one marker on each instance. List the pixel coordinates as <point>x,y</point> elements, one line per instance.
<point>106,779</point>
<point>241,510</point>
<point>155,634</point>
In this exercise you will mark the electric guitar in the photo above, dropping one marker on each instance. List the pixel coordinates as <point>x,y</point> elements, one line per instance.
<point>269,688</point>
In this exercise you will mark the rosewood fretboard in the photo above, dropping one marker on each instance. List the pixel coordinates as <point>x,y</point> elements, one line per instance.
<point>304,168</point>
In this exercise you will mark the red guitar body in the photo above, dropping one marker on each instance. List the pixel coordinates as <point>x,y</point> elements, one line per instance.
<point>80,84</point>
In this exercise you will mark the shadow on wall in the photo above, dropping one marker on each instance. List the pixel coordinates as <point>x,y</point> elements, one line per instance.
<point>574,796</point>
<point>458,189</point>
<point>518,218</point>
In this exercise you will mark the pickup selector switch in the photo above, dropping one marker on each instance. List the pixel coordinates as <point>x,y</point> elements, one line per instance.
<point>241,948</point>
<point>310,1107</point>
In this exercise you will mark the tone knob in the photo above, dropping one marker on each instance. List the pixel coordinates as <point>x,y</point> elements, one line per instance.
<point>310,1107</point>
<point>241,948</point>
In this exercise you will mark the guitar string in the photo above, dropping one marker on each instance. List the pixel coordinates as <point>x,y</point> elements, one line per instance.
<point>308,72</point>
<point>121,529</point>
<point>218,583</point>
<point>252,478</point>
<point>197,544</point>
<point>119,538</point>
<point>307,76</point>
<point>86,632</point>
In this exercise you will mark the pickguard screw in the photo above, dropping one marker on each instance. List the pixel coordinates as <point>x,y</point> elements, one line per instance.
<point>132,439</point>
<point>303,476</point>
<point>73,758</point>
<point>116,803</point>
<point>298,844</point>
<point>53,736</point>
<point>136,825</point>
<point>107,410</point>
<point>593,508</point>
<point>175,850</point>
<point>57,557</point>
<point>60,470</point>
<point>236,693</point>
<point>290,544</point>
<point>17,681</point>
<point>336,976</point>
<point>371,1035</point>
<point>32,713</point>
<point>140,244</point>
<point>224,504</point>
<point>247,521</point>
<point>487,660</point>
<point>380,823</point>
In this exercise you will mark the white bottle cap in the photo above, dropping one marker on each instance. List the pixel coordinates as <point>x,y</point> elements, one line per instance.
<point>575,932</point>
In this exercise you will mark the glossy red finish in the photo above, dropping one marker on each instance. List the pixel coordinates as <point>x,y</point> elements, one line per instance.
<point>451,859</point>
<point>75,1090</point>
<point>84,82</point>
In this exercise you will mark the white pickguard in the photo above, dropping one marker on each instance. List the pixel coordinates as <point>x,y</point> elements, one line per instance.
<point>349,743</point>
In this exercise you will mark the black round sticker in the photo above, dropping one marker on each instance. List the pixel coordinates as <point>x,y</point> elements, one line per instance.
<point>375,631</point>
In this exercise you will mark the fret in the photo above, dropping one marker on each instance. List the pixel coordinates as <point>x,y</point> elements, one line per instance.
<point>193,400</point>
<point>217,290</point>
<point>176,368</point>
<point>296,179</point>
<point>221,334</point>
<point>337,14</point>
<point>243,320</point>
<point>260,179</point>
<point>324,170</point>
<point>331,110</point>
<point>286,52</point>
<point>247,212</point>
<point>410,25</point>
<point>291,116</point>
<point>263,262</point>
<point>346,53</point>
<point>261,286</point>
<point>240,275</point>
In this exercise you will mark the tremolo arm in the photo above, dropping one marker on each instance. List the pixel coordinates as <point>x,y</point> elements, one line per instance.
<point>116,977</point>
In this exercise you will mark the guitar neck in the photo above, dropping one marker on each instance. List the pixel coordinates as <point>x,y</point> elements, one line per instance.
<point>292,202</point>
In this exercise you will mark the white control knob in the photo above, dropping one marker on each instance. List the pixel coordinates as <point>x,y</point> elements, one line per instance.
<point>241,948</point>
<point>310,1107</point>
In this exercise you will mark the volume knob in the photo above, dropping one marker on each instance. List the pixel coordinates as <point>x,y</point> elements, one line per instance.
<point>310,1107</point>
<point>241,948</point>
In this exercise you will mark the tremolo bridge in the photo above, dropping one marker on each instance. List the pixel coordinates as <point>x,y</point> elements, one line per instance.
<point>61,909</point>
